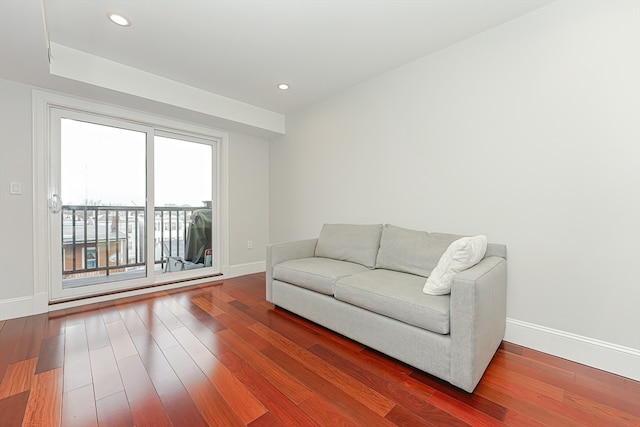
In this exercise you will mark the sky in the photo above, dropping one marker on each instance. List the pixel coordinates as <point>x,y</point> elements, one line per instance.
<point>107,165</point>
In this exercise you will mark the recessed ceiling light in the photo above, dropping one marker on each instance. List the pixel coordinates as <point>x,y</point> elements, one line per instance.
<point>116,18</point>
<point>283,86</point>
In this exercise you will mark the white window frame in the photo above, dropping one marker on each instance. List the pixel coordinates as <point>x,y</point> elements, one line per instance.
<point>43,103</point>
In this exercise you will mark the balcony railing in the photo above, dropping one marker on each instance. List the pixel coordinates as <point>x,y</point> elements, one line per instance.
<point>105,239</point>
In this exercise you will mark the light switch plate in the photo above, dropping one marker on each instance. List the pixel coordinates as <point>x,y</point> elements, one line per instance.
<point>16,188</point>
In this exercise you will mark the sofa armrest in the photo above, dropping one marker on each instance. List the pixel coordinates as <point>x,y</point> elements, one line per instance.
<point>284,251</point>
<point>478,319</point>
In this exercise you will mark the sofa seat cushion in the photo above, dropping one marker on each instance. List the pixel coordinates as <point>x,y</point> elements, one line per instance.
<point>396,295</point>
<point>315,273</point>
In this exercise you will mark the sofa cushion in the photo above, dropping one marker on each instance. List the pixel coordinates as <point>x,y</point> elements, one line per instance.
<point>317,274</point>
<point>460,255</point>
<point>411,251</point>
<point>350,242</point>
<point>396,295</point>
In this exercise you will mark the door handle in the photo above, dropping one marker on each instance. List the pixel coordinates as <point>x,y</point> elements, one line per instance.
<point>55,204</point>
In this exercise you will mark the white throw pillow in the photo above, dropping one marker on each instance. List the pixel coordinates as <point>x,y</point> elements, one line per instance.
<point>460,255</point>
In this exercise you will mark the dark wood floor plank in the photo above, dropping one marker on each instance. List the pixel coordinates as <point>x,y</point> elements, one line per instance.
<point>584,371</point>
<point>281,410</point>
<point>599,412</point>
<point>540,396</point>
<point>231,310</point>
<point>175,399</point>
<point>395,384</point>
<point>326,414</point>
<point>28,346</point>
<point>245,296</point>
<point>348,384</point>
<point>204,333</point>
<point>272,372</point>
<point>565,379</point>
<point>387,363</point>
<point>18,377</point>
<point>246,333</point>
<point>9,338</point>
<point>220,354</point>
<point>215,291</point>
<point>516,419</point>
<point>527,407</point>
<point>44,407</point>
<point>206,305</point>
<point>56,321</point>
<point>79,407</point>
<point>542,370</point>
<point>197,315</point>
<point>512,348</point>
<point>12,409</point>
<point>339,399</point>
<point>329,339</point>
<point>257,312</point>
<point>376,366</point>
<point>239,398</point>
<point>608,384</point>
<point>144,402</point>
<point>474,400</point>
<point>294,331</point>
<point>417,401</point>
<point>266,420</point>
<point>518,382</point>
<point>401,416</point>
<point>51,354</point>
<point>206,397</point>
<point>466,413</point>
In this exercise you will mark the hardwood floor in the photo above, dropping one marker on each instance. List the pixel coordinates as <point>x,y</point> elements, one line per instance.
<point>221,355</point>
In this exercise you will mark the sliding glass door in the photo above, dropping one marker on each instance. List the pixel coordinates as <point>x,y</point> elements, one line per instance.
<point>183,213</point>
<point>130,205</point>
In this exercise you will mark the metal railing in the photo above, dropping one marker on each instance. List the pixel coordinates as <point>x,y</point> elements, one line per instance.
<point>105,239</point>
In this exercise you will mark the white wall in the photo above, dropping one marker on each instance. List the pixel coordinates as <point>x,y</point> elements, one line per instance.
<point>528,133</point>
<point>248,199</point>
<point>16,211</point>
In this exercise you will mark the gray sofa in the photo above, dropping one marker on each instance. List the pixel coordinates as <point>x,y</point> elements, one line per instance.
<point>366,282</point>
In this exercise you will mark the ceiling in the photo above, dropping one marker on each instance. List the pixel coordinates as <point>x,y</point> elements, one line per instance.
<point>242,49</point>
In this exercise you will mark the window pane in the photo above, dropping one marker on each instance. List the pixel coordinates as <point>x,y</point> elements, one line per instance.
<point>103,186</point>
<point>183,203</point>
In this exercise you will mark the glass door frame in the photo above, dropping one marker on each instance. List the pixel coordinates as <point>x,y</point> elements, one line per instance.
<point>46,279</point>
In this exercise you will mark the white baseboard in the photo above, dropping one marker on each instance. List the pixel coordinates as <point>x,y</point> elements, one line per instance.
<point>249,268</point>
<point>39,303</point>
<point>609,357</point>
<point>23,306</point>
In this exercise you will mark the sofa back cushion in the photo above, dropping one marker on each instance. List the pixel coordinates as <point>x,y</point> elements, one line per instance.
<point>411,251</point>
<point>350,242</point>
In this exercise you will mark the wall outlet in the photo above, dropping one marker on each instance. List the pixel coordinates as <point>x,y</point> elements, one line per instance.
<point>250,244</point>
